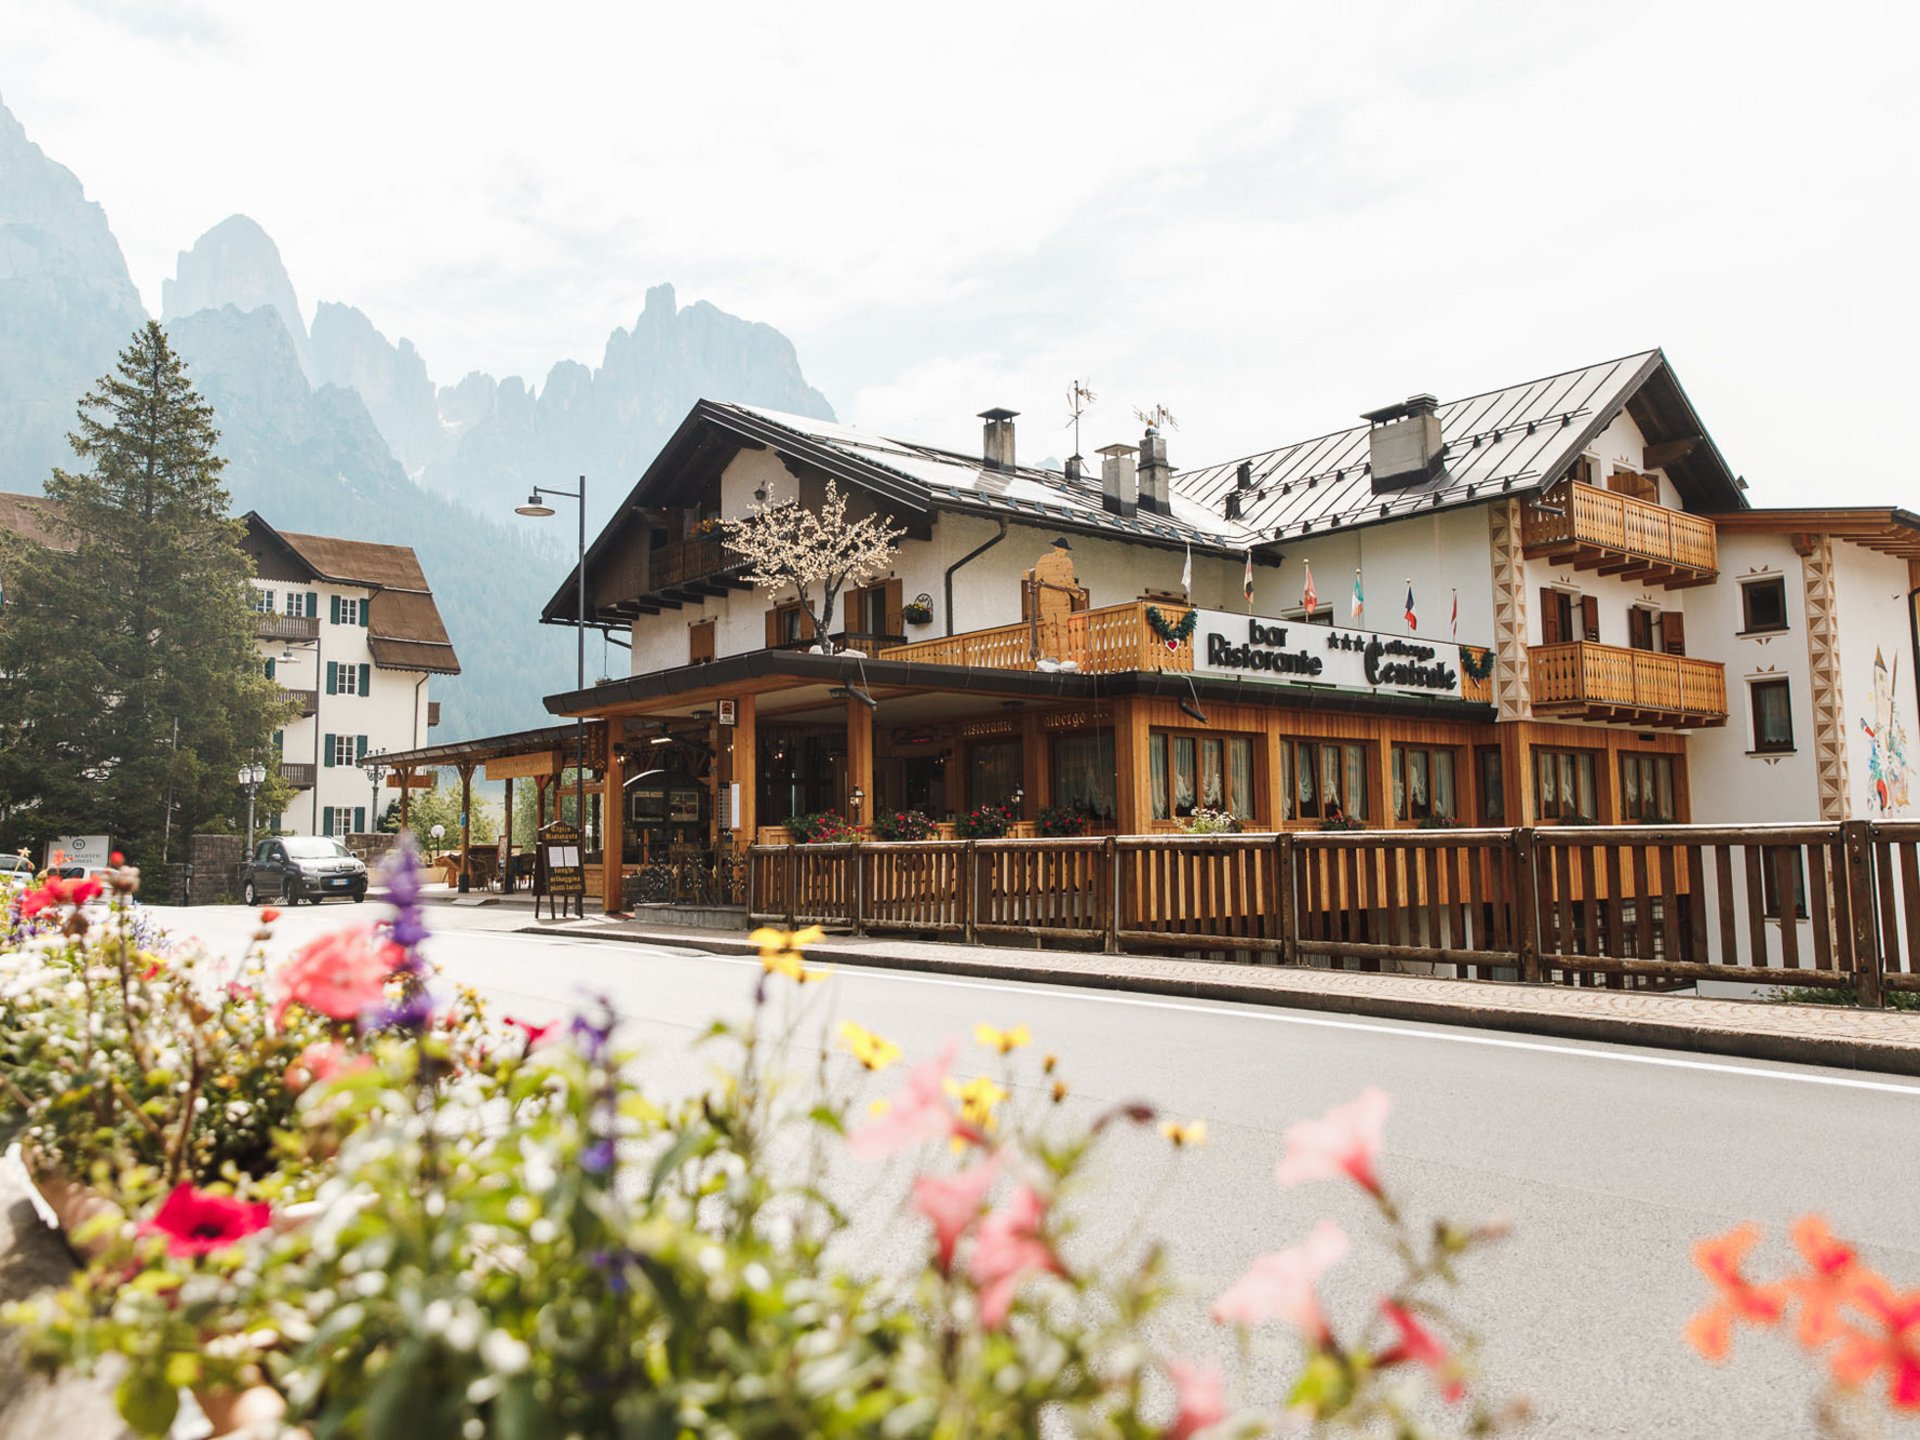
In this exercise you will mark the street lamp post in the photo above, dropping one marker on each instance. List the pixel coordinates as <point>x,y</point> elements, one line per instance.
<point>373,769</point>
<point>535,509</point>
<point>252,777</point>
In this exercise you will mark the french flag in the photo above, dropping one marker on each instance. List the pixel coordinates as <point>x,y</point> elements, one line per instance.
<point>1413,621</point>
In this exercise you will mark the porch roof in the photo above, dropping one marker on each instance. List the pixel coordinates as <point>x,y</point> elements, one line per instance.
<point>486,747</point>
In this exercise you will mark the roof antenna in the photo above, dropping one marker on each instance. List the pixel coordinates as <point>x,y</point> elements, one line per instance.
<point>1158,418</point>
<point>1080,398</point>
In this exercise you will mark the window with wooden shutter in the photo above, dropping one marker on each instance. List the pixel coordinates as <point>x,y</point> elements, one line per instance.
<point>1590,617</point>
<point>1640,624</point>
<point>895,624</point>
<point>773,627</point>
<point>333,609</point>
<point>366,680</point>
<point>333,677</point>
<point>700,643</point>
<point>326,752</point>
<point>1673,632</point>
<point>1553,616</point>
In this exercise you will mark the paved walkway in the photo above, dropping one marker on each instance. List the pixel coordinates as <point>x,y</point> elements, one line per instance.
<point>1843,1036</point>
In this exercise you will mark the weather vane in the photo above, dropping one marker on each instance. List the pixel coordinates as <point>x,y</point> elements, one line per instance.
<point>1079,397</point>
<point>1158,418</point>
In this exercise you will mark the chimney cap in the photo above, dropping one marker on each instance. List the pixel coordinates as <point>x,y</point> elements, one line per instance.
<point>1115,450</point>
<point>1422,404</point>
<point>998,414</point>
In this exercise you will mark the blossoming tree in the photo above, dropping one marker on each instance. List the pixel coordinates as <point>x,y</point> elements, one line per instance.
<point>811,551</point>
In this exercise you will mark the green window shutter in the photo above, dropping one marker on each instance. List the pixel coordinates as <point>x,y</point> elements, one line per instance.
<point>333,677</point>
<point>269,667</point>
<point>366,675</point>
<point>313,604</point>
<point>326,820</point>
<point>366,611</point>
<point>333,608</point>
<point>279,742</point>
<point>359,819</point>
<point>326,750</point>
<point>359,748</point>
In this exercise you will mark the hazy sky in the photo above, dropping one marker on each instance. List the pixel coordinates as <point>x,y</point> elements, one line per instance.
<point>1267,217</point>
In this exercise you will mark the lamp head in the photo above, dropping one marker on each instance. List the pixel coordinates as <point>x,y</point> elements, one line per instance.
<point>534,507</point>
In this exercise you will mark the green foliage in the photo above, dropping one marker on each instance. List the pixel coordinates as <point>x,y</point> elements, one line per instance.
<point>131,676</point>
<point>441,806</point>
<point>1205,821</point>
<point>1807,995</point>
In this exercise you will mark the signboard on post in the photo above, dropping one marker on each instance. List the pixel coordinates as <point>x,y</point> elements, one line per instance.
<point>1290,652</point>
<point>558,874</point>
<point>78,850</point>
<point>729,714</point>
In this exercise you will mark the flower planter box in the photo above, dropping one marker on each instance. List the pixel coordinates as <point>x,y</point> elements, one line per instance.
<point>773,835</point>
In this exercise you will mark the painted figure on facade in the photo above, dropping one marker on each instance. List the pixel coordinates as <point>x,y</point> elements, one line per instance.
<point>1886,742</point>
<point>1053,586</point>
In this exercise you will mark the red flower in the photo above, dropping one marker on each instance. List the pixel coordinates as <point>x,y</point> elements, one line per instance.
<point>1422,1347</point>
<point>1833,1274</point>
<point>56,891</point>
<point>1199,1399</point>
<point>1896,1348</point>
<point>1281,1286</point>
<point>116,858</point>
<point>1009,1248</point>
<point>1344,1141</point>
<point>952,1203</point>
<point>1719,1258</point>
<point>338,975</point>
<point>534,1033</point>
<point>268,914</point>
<point>196,1223</point>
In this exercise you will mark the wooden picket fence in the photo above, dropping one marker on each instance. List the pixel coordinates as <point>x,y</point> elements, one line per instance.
<point>1823,906</point>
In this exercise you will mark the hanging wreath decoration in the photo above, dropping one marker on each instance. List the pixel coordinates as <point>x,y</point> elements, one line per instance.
<point>1168,631</point>
<point>1475,663</point>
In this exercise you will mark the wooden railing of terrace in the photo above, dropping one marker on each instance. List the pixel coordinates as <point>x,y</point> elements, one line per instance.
<point>1613,683</point>
<point>1649,907</point>
<point>1594,529</point>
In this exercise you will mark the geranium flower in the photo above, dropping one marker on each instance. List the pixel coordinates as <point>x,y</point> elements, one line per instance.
<point>321,1062</point>
<point>338,975</point>
<point>1280,1286</point>
<point>1420,1346</point>
<point>952,1203</point>
<point>1009,1248</point>
<point>1193,1133</point>
<point>534,1033</point>
<point>268,914</point>
<point>1896,1349</point>
<point>916,1113</point>
<point>1344,1141</point>
<point>868,1048</point>
<point>1719,1258</point>
<point>1005,1041</point>
<point>196,1223</point>
<point>1199,1398</point>
<point>1833,1273</point>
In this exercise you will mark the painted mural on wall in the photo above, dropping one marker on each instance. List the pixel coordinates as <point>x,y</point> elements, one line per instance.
<point>1887,766</point>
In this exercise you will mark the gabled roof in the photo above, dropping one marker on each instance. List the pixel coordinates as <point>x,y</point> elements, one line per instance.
<point>404,629</point>
<point>1889,530</point>
<point>1516,440</point>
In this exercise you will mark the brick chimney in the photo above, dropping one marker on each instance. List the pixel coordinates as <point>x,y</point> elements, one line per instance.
<point>1118,485</point>
<point>1156,476</point>
<point>996,446</point>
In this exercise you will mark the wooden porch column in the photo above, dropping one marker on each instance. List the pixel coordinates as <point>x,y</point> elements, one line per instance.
<point>539,804</point>
<point>613,823</point>
<point>1133,802</point>
<point>1273,775</point>
<point>466,823</point>
<point>859,760</point>
<point>406,797</point>
<point>1036,778</point>
<point>746,769</point>
<point>506,869</point>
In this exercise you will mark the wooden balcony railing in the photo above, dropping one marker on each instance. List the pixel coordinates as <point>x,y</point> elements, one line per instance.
<point>307,701</point>
<point>1636,687</point>
<point>296,774</point>
<point>1594,529</point>
<point>686,561</point>
<point>286,627</point>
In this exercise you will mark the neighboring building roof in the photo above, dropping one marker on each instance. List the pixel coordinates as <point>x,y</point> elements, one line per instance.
<point>31,518</point>
<point>1891,531</point>
<point>1516,440</point>
<point>404,629</point>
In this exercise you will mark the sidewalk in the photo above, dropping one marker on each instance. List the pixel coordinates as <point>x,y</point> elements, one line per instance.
<point>1835,1035</point>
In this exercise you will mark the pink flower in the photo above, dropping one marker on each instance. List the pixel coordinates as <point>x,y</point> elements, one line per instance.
<point>1009,1248</point>
<point>1344,1141</point>
<point>952,1203</point>
<point>1199,1398</point>
<point>918,1112</point>
<point>534,1033</point>
<point>321,1062</point>
<point>338,975</point>
<point>196,1223</point>
<point>1280,1286</point>
<point>1422,1347</point>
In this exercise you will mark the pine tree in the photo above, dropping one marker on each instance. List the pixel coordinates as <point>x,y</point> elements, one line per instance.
<point>130,688</point>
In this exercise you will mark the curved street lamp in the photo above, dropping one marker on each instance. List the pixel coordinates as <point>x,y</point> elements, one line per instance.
<point>373,768</point>
<point>537,509</point>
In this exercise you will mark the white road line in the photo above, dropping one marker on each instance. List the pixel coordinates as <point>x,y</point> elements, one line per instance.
<point>1254,1012</point>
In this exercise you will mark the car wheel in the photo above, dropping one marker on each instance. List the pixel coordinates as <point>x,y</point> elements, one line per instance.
<point>248,895</point>
<point>289,896</point>
<point>359,897</point>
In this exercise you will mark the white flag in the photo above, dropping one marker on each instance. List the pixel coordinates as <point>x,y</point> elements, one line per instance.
<point>1186,573</point>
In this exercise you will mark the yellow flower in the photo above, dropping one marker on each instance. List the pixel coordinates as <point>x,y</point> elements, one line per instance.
<point>1047,1064</point>
<point>1193,1133</point>
<point>1005,1041</point>
<point>977,1098</point>
<point>1059,1091</point>
<point>780,951</point>
<point>868,1048</point>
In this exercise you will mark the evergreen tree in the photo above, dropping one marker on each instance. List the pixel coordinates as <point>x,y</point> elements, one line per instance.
<point>130,688</point>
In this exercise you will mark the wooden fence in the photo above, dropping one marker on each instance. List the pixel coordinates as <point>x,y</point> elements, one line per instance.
<point>1824,906</point>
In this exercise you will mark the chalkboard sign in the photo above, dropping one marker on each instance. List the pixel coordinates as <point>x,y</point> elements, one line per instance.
<point>557,871</point>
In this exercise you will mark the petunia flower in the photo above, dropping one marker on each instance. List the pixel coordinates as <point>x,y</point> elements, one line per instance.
<point>952,1203</point>
<point>196,1223</point>
<point>1895,1349</point>
<point>916,1113</point>
<point>1199,1398</point>
<point>1719,1258</point>
<point>1344,1141</point>
<point>1005,1041</point>
<point>1420,1346</point>
<point>534,1033</point>
<point>1280,1286</point>
<point>1009,1248</point>
<point>1833,1273</point>
<point>868,1048</point>
<point>339,975</point>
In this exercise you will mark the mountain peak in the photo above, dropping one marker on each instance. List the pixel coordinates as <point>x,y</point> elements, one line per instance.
<point>236,263</point>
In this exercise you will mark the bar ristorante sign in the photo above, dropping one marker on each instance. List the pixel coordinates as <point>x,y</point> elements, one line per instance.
<point>1287,652</point>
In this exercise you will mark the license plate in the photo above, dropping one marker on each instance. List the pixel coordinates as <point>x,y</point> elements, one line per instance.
<point>340,884</point>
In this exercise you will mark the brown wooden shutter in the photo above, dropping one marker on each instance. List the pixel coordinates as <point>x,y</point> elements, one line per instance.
<point>1026,597</point>
<point>1549,617</point>
<point>773,627</point>
<point>895,624</point>
<point>806,623</point>
<point>700,643</point>
<point>1590,616</point>
<point>1673,631</point>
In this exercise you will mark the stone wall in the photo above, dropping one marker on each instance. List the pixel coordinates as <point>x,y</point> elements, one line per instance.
<point>213,864</point>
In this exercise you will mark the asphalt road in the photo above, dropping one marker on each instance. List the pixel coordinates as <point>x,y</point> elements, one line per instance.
<point>1608,1161</point>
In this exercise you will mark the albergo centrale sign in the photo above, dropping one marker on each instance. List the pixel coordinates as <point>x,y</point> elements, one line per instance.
<point>1281,652</point>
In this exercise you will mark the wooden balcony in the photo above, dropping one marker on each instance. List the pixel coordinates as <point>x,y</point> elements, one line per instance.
<point>299,776</point>
<point>286,627</point>
<point>306,700</point>
<point>1114,639</point>
<point>1628,687</point>
<point>1612,534</point>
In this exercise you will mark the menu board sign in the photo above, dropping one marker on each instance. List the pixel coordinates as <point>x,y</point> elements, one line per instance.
<point>560,871</point>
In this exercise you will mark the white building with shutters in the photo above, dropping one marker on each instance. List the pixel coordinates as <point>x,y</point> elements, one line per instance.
<point>350,631</point>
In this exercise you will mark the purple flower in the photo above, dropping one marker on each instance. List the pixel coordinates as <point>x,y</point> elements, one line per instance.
<point>595,1037</point>
<point>597,1158</point>
<point>402,875</point>
<point>412,1011</point>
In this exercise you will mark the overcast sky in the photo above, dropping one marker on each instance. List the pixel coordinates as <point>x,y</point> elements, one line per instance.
<point>1267,217</point>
